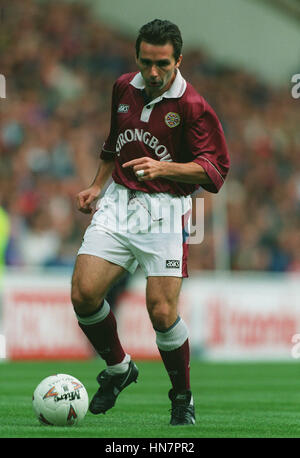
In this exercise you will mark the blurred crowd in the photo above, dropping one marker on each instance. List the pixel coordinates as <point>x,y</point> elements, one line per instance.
<point>60,65</point>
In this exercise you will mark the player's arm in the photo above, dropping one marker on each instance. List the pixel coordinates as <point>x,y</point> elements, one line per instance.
<point>189,172</point>
<point>85,198</point>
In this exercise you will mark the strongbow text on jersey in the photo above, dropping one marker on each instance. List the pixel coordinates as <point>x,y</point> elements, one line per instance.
<point>139,135</point>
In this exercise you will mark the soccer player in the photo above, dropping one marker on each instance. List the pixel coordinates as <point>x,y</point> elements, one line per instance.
<point>164,142</point>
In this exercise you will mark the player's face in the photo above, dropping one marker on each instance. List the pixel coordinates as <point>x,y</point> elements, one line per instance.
<point>157,66</point>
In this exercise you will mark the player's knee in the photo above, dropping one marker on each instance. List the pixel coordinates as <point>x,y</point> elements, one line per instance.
<point>84,299</point>
<point>161,315</point>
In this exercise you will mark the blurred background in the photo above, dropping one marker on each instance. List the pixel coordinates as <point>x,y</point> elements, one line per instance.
<point>60,60</point>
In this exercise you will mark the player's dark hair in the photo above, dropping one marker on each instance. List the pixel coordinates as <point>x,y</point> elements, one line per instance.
<point>160,32</point>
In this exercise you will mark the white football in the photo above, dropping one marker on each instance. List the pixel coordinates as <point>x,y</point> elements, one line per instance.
<point>60,400</point>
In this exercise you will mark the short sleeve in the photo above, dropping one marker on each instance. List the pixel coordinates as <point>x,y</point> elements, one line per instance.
<point>108,151</point>
<point>206,142</point>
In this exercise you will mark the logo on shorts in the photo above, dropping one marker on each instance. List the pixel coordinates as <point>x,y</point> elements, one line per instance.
<point>172,264</point>
<point>172,119</point>
<point>123,108</point>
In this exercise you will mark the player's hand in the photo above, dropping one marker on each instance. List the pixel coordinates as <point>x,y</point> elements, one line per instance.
<point>152,169</point>
<point>86,198</point>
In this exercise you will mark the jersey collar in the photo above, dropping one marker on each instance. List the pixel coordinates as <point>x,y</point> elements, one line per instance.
<point>174,92</point>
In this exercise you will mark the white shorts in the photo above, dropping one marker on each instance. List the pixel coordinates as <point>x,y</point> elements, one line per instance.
<point>131,228</point>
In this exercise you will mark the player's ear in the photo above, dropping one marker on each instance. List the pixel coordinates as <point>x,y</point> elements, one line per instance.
<point>178,61</point>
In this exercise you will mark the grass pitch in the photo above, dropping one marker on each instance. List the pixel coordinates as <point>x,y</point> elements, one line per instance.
<point>233,400</point>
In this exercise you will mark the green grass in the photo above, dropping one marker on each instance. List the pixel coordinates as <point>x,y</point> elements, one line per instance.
<point>233,400</point>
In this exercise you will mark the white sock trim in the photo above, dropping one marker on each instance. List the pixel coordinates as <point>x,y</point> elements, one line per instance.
<point>172,338</point>
<point>96,317</point>
<point>119,368</point>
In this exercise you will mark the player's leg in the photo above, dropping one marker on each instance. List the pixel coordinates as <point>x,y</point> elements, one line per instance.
<point>162,295</point>
<point>92,278</point>
<point>163,257</point>
<point>171,331</point>
<point>102,258</point>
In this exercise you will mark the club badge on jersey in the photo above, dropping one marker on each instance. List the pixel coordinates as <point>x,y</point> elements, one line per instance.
<point>172,119</point>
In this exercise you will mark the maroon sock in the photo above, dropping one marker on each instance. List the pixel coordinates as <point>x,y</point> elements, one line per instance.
<point>177,363</point>
<point>104,338</point>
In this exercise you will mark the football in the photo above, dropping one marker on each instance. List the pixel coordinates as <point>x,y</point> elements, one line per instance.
<point>60,400</point>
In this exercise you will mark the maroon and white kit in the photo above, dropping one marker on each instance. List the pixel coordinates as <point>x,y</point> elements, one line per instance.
<point>129,227</point>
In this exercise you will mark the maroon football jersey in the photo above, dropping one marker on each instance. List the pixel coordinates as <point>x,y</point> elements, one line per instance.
<point>177,126</point>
